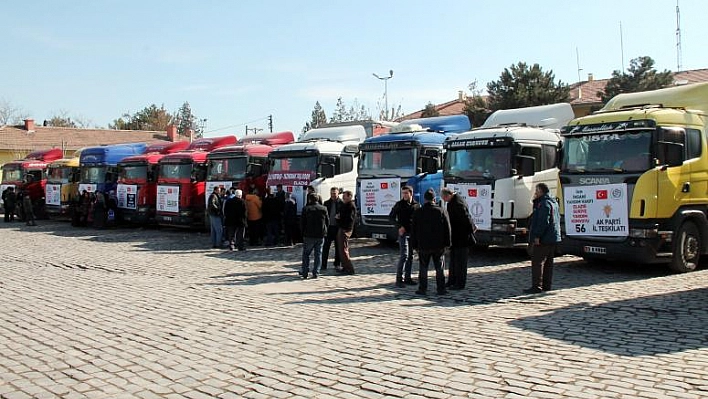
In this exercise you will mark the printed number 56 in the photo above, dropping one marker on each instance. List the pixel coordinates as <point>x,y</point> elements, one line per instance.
<point>580,228</point>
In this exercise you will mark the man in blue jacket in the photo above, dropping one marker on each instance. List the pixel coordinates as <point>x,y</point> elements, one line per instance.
<point>545,234</point>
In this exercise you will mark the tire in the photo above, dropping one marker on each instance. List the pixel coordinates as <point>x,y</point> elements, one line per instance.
<point>687,248</point>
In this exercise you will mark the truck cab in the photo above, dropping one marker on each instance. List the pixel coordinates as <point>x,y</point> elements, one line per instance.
<point>496,167</point>
<point>181,183</point>
<point>633,179</point>
<point>411,154</point>
<point>29,175</point>
<point>245,164</point>
<point>136,190</point>
<point>323,158</point>
<point>99,165</point>
<point>62,185</point>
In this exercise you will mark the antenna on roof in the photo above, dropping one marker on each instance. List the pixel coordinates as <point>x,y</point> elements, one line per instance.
<point>678,38</point>
<point>622,47</point>
<point>577,58</point>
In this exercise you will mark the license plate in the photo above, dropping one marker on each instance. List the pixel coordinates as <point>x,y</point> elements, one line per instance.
<point>379,236</point>
<point>595,250</point>
<point>166,218</point>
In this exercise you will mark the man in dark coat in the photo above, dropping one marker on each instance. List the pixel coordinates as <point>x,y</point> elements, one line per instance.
<point>345,220</point>
<point>402,215</point>
<point>544,235</point>
<point>235,220</point>
<point>430,235</point>
<point>333,204</point>
<point>27,209</point>
<point>313,223</point>
<point>462,228</point>
<point>290,226</point>
<point>272,215</point>
<point>9,200</point>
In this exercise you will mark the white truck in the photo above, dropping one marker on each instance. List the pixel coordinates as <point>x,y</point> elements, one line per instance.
<point>497,166</point>
<point>323,158</point>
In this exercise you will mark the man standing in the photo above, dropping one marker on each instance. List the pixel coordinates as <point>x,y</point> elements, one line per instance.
<point>290,226</point>
<point>402,215</point>
<point>214,211</point>
<point>333,204</point>
<point>27,209</point>
<point>313,223</point>
<point>544,236</point>
<point>272,214</point>
<point>461,228</point>
<point>430,234</point>
<point>254,204</point>
<point>345,221</point>
<point>9,200</point>
<point>235,220</point>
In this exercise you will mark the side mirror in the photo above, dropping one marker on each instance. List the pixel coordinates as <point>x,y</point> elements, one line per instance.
<point>526,165</point>
<point>671,153</point>
<point>327,170</point>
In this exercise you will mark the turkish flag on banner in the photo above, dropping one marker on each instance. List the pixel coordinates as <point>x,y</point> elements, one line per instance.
<point>601,194</point>
<point>472,192</point>
<point>384,186</point>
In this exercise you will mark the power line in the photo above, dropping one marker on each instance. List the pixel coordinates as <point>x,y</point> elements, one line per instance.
<point>238,125</point>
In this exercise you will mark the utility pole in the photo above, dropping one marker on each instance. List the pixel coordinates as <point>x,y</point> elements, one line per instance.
<point>255,130</point>
<point>385,79</point>
<point>270,123</point>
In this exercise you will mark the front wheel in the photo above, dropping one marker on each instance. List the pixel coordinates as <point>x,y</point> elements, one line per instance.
<point>687,248</point>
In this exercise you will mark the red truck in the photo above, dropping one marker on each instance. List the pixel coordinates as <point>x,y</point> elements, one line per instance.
<point>30,175</point>
<point>245,164</point>
<point>136,191</point>
<point>181,183</point>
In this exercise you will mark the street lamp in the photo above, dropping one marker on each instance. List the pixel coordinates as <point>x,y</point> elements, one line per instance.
<point>385,79</point>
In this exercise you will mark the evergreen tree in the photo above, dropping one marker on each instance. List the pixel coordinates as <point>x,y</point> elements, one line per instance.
<point>641,76</point>
<point>476,106</point>
<point>317,119</point>
<point>149,118</point>
<point>522,86</point>
<point>429,111</point>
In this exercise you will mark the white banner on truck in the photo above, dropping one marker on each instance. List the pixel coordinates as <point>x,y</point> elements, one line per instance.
<point>596,210</point>
<point>168,198</point>
<point>379,195</point>
<point>52,194</point>
<point>479,202</point>
<point>210,189</point>
<point>89,187</point>
<point>127,196</point>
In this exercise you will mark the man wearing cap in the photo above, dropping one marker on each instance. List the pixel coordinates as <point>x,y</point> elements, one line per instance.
<point>430,235</point>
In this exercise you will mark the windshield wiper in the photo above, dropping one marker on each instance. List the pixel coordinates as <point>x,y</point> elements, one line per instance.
<point>607,170</point>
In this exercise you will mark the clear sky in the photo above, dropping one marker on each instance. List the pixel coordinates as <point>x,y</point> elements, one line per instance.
<point>237,62</point>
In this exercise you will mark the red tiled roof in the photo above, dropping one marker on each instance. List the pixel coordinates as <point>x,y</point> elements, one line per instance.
<point>41,137</point>
<point>454,107</point>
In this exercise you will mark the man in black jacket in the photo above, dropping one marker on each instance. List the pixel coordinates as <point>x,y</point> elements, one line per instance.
<point>462,228</point>
<point>430,235</point>
<point>345,220</point>
<point>333,204</point>
<point>402,215</point>
<point>235,220</point>
<point>313,223</point>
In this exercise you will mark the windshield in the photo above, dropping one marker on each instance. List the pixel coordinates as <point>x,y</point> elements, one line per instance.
<point>176,171</point>
<point>307,164</point>
<point>618,152</point>
<point>93,174</point>
<point>227,169</point>
<point>11,174</point>
<point>59,174</point>
<point>398,162</point>
<point>133,172</point>
<point>488,162</point>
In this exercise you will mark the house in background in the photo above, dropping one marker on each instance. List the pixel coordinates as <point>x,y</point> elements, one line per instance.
<point>18,141</point>
<point>583,95</point>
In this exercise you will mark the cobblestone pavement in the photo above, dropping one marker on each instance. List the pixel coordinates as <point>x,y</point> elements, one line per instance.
<point>135,313</point>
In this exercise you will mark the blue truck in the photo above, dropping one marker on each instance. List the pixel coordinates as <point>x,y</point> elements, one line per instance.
<point>99,165</point>
<point>411,154</point>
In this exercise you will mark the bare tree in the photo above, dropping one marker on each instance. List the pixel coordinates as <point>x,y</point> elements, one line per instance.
<point>11,114</point>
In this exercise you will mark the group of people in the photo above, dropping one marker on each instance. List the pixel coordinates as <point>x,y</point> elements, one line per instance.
<point>432,229</point>
<point>234,216</point>
<point>19,203</point>
<point>96,209</point>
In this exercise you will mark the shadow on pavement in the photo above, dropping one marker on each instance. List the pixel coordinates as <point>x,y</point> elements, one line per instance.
<point>651,325</point>
<point>484,287</point>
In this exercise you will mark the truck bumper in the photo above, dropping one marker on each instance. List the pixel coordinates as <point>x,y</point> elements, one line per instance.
<point>635,250</point>
<point>378,232</point>
<point>57,210</point>
<point>136,216</point>
<point>182,219</point>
